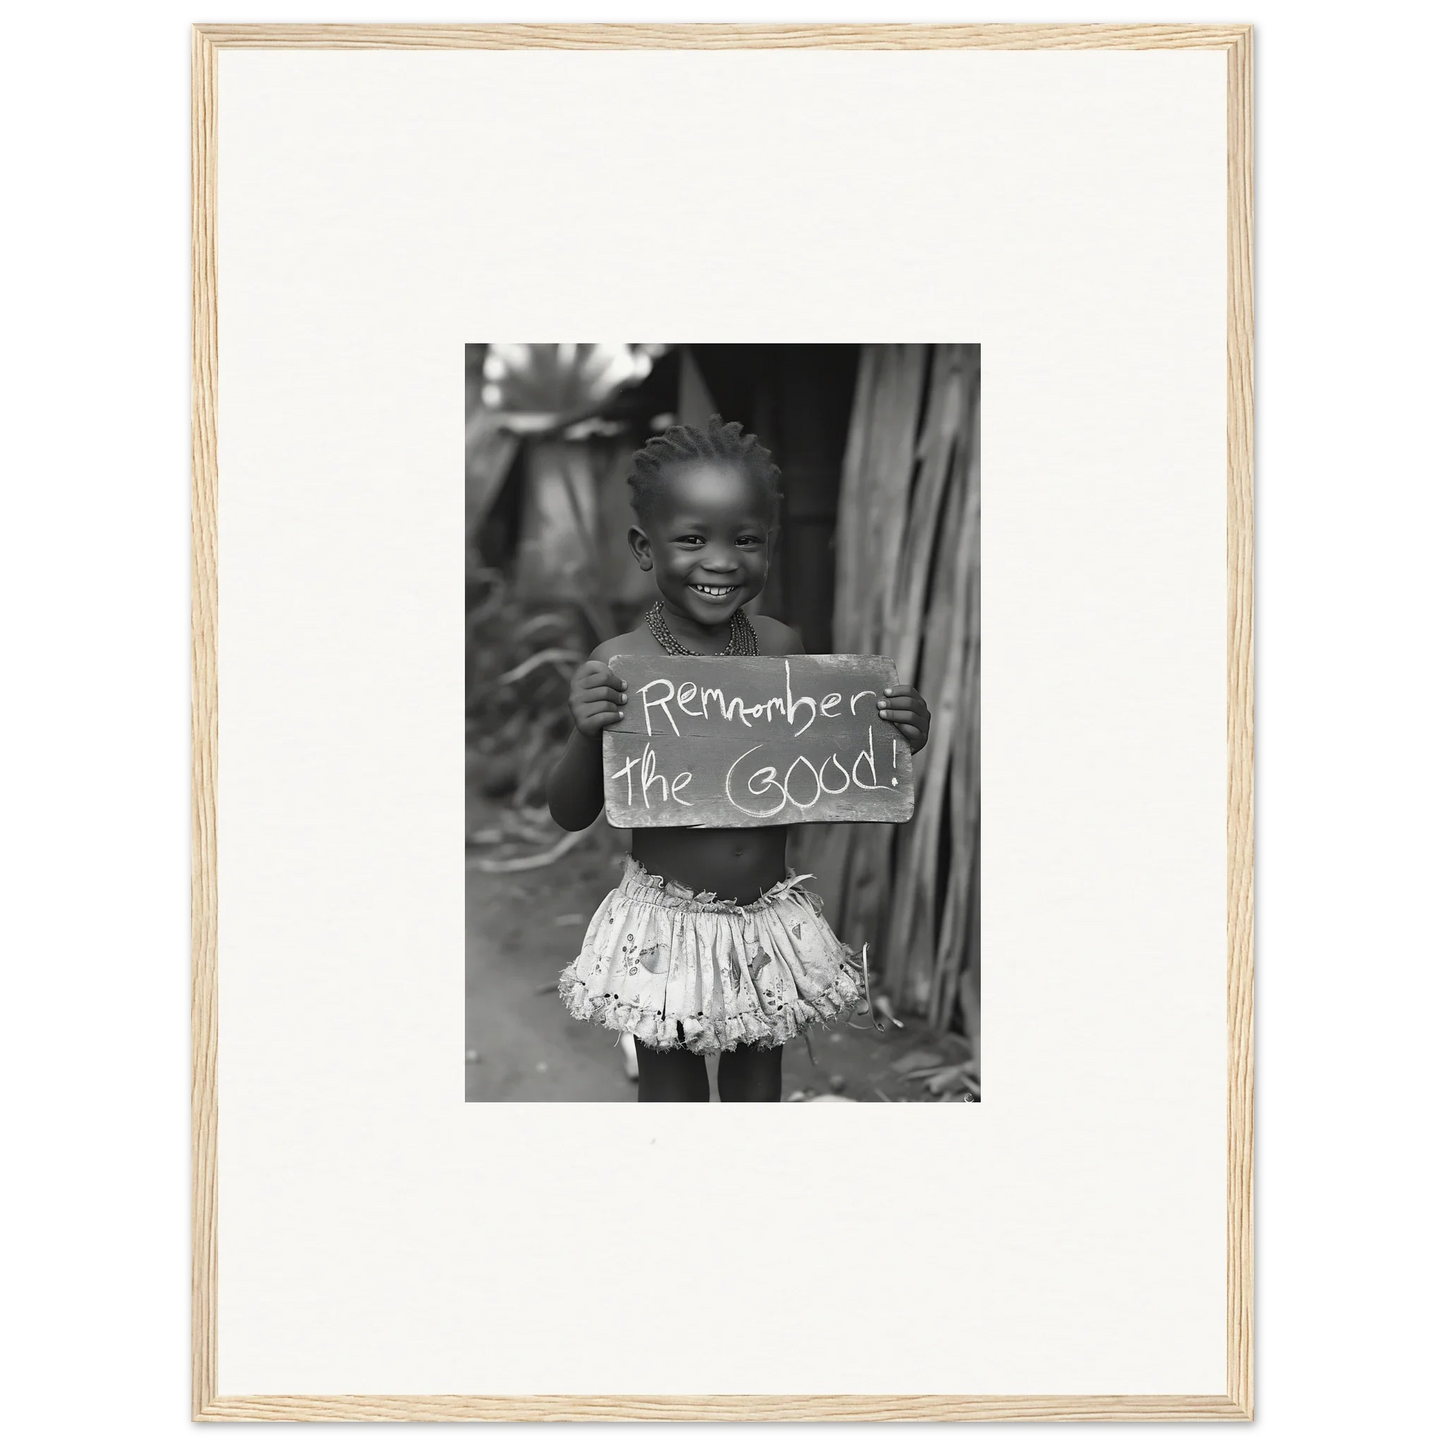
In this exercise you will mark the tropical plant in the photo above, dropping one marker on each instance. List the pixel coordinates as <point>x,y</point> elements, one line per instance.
<point>530,624</point>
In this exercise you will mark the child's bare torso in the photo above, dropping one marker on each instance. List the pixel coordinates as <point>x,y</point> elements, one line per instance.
<point>731,863</point>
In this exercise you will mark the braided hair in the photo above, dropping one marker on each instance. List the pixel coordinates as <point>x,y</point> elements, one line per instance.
<point>718,441</point>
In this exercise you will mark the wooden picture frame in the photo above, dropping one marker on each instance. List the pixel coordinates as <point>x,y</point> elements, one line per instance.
<point>1237,1403</point>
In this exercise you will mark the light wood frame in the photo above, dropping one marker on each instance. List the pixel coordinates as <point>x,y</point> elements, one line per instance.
<point>1238,1402</point>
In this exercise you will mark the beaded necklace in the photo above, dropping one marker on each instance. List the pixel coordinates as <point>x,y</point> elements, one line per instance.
<point>743,641</point>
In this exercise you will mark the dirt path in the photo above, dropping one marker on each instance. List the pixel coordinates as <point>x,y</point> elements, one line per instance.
<point>524,928</point>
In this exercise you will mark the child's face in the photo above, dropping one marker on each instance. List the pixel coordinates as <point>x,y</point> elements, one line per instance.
<point>705,536</point>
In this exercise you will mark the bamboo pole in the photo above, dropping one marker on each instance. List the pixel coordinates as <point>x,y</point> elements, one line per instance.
<point>964,773</point>
<point>846,596</point>
<point>944,418</point>
<point>886,502</point>
<point>958,955</point>
<point>912,939</point>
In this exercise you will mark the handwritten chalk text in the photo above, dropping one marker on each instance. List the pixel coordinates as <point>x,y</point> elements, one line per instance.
<point>826,778</point>
<point>647,776</point>
<point>734,709</point>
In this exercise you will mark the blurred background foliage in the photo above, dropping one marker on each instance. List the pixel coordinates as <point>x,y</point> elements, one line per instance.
<point>878,552</point>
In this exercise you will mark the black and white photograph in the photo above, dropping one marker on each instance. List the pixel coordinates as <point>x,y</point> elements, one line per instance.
<point>722,722</point>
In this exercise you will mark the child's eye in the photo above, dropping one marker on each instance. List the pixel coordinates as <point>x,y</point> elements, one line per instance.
<point>691,540</point>
<point>749,541</point>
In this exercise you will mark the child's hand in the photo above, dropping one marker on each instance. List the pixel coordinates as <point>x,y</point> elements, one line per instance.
<point>596,699</point>
<point>905,708</point>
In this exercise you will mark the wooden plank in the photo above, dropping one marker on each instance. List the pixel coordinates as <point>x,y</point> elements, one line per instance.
<point>870,886</point>
<point>954,957</point>
<point>205,723</point>
<point>754,742</point>
<point>847,541</point>
<point>822,851</point>
<point>587,1408</point>
<point>946,413</point>
<point>954,943</point>
<point>891,488</point>
<point>565,35</point>
<point>944,983</point>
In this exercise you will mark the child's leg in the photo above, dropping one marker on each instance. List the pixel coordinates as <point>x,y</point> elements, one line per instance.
<point>749,1074</point>
<point>670,1076</point>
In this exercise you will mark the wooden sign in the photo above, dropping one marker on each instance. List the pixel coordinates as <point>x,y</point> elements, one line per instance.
<point>753,742</point>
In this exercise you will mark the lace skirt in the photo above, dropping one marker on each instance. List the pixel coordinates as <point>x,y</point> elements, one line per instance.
<point>678,969</point>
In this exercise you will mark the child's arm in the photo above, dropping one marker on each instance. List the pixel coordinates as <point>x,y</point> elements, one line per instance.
<point>574,791</point>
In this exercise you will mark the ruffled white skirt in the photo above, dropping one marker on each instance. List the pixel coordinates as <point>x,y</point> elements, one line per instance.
<point>678,969</point>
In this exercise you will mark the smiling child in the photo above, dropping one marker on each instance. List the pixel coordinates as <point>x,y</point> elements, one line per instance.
<point>709,944</point>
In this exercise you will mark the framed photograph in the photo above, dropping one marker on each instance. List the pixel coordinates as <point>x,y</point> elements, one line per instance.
<point>746,711</point>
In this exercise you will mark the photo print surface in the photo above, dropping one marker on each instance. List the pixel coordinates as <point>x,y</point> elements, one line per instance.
<point>722,723</point>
